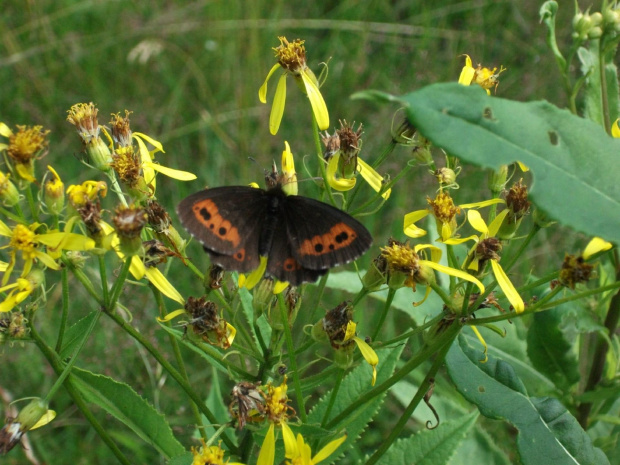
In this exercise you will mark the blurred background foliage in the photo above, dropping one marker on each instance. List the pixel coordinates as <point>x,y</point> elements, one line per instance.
<point>190,72</point>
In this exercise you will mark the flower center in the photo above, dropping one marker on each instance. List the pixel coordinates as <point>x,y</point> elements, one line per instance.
<point>23,239</point>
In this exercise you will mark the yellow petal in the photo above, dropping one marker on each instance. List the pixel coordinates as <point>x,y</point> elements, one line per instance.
<point>45,419</point>
<point>24,172</point>
<point>137,268</point>
<point>45,259</point>
<point>483,203</point>
<point>476,221</point>
<point>279,286</point>
<point>3,266</point>
<point>460,240</point>
<point>66,241</point>
<point>150,140</point>
<point>316,101</point>
<point>277,107</point>
<point>5,230</point>
<point>483,342</point>
<point>145,158</point>
<point>467,73</point>
<point>170,172</point>
<point>262,92</point>
<point>290,444</point>
<point>454,272</point>
<point>446,231</point>
<point>596,245</point>
<point>369,355</point>
<point>372,177</point>
<point>497,223</point>
<point>231,332</point>
<point>350,331</point>
<point>410,228</point>
<point>171,315</point>
<point>338,184</point>
<point>5,130</point>
<point>509,290</point>
<point>9,303</point>
<point>255,276</point>
<point>267,453</point>
<point>426,294</point>
<point>436,252</point>
<point>160,282</point>
<point>328,450</point>
<point>524,168</point>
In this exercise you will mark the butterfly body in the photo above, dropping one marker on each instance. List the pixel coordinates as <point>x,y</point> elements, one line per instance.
<point>301,237</point>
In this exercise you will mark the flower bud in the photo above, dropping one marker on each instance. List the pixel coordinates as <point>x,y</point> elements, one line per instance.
<point>497,179</point>
<point>8,192</point>
<point>54,193</point>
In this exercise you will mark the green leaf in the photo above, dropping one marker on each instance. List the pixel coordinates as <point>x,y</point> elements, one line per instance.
<point>185,459</point>
<point>355,385</point>
<point>547,431</point>
<point>430,447</point>
<point>549,351</point>
<point>593,96</point>
<point>124,404</point>
<point>74,335</point>
<point>575,163</point>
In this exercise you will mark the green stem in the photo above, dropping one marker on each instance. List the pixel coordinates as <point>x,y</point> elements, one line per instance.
<point>604,93</point>
<point>56,364</point>
<point>104,280</point>
<point>383,315</point>
<point>291,358</point>
<point>507,264</point>
<point>19,218</point>
<point>179,359</point>
<point>442,339</point>
<point>117,287</point>
<point>316,135</point>
<point>31,203</point>
<point>332,398</point>
<point>406,416</point>
<point>65,308</point>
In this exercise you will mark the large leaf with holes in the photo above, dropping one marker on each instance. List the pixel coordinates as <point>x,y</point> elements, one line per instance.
<point>575,163</point>
<point>547,432</point>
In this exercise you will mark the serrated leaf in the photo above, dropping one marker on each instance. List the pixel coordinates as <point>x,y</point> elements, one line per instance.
<point>547,431</point>
<point>430,447</point>
<point>574,162</point>
<point>124,404</point>
<point>549,350</point>
<point>246,299</point>
<point>74,335</point>
<point>354,385</point>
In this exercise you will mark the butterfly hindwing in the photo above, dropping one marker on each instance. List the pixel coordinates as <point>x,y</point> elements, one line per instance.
<point>283,265</point>
<point>321,236</point>
<point>227,221</point>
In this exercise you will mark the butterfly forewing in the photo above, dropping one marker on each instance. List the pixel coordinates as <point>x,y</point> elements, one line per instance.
<point>227,221</point>
<point>322,236</point>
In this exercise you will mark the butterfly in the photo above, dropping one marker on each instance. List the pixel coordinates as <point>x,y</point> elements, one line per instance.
<point>301,237</point>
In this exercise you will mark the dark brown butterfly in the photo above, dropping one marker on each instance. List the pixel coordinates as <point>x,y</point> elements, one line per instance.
<point>301,237</point>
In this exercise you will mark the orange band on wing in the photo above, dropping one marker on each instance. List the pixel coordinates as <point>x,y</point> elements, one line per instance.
<point>207,213</point>
<point>338,237</point>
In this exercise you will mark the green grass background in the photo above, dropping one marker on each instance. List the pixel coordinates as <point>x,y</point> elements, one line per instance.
<point>190,72</point>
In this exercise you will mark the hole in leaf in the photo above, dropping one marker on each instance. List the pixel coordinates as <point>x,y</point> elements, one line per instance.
<point>553,137</point>
<point>481,389</point>
<point>487,113</point>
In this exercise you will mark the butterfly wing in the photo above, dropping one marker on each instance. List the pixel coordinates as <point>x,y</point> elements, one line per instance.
<point>322,236</point>
<point>227,221</point>
<point>282,263</point>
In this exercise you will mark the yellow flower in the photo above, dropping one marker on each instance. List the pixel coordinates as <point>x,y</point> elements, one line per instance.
<point>486,249</point>
<point>289,176</point>
<point>34,415</point>
<point>292,59</point>
<point>444,211</point>
<point>210,455</point>
<point>276,411</point>
<point>138,270</point>
<point>21,289</point>
<point>80,194</point>
<point>402,259</point>
<point>342,153</point>
<point>368,352</point>
<point>484,77</point>
<point>299,453</point>
<point>25,240</point>
<point>25,146</point>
